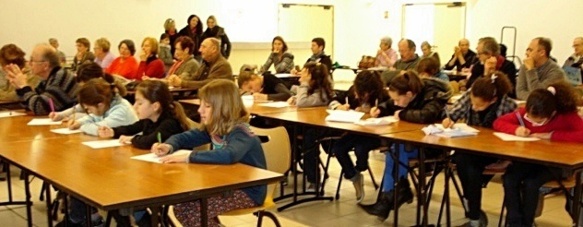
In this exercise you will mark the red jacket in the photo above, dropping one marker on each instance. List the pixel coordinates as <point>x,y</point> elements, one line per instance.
<point>566,127</point>
<point>128,68</point>
<point>152,68</point>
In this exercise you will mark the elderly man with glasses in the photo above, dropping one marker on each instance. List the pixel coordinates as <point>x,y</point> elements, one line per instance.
<point>55,92</point>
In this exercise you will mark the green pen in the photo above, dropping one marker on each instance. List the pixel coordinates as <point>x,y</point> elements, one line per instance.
<point>159,137</point>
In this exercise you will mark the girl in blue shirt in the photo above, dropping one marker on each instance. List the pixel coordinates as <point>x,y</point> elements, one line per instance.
<point>224,124</point>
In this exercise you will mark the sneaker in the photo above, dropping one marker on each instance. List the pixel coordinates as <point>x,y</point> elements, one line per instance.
<point>482,222</point>
<point>358,182</point>
<point>311,187</point>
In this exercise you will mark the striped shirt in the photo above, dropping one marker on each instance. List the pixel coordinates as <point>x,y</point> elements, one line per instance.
<point>60,86</point>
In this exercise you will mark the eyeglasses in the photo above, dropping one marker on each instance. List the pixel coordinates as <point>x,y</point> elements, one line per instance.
<point>33,61</point>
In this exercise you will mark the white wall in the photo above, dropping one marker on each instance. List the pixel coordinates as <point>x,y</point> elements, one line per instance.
<point>359,24</point>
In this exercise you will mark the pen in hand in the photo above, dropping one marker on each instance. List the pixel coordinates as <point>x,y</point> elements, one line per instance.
<point>51,105</point>
<point>519,119</point>
<point>159,137</point>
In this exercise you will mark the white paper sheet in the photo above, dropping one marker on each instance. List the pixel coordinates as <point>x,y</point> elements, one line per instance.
<point>275,104</point>
<point>43,121</point>
<point>151,157</point>
<point>438,130</point>
<point>344,116</point>
<point>11,114</point>
<point>460,126</point>
<point>98,144</point>
<point>508,137</point>
<point>66,131</point>
<point>377,121</point>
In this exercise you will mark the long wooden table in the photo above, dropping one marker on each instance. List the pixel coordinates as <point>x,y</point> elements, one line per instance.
<point>108,179</point>
<point>316,117</point>
<point>256,109</point>
<point>556,154</point>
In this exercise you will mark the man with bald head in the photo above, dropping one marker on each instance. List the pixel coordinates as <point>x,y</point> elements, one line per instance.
<point>56,85</point>
<point>462,57</point>
<point>409,60</point>
<point>537,70</point>
<point>575,61</point>
<point>214,66</point>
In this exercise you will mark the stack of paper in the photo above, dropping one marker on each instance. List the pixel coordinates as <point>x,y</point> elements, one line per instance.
<point>508,137</point>
<point>349,116</point>
<point>459,130</point>
<point>377,121</point>
<point>151,157</point>
<point>103,143</point>
<point>43,121</point>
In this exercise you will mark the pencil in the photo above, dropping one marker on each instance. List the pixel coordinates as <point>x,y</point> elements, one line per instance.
<point>51,105</point>
<point>376,103</point>
<point>73,115</point>
<point>159,137</point>
<point>519,119</point>
<point>446,112</point>
<point>346,99</point>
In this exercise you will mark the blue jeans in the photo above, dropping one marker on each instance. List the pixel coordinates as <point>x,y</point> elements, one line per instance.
<point>362,145</point>
<point>404,156</point>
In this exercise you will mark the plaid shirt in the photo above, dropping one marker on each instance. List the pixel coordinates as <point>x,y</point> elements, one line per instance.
<point>462,109</point>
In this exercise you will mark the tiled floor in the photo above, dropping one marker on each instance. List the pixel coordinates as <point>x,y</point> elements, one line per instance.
<point>342,212</point>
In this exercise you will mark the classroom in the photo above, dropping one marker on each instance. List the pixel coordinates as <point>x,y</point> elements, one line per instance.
<point>291,113</point>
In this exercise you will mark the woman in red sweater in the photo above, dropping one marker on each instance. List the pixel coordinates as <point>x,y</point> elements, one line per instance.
<point>125,65</point>
<point>549,114</point>
<point>150,65</point>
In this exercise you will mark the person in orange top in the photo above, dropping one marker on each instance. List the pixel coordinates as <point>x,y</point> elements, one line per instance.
<point>150,65</point>
<point>125,65</point>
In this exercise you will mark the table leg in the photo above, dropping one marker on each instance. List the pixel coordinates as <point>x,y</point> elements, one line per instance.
<point>155,217</point>
<point>577,200</point>
<point>49,204</point>
<point>423,194</point>
<point>204,212</point>
<point>88,213</point>
<point>396,164</point>
<point>28,196</point>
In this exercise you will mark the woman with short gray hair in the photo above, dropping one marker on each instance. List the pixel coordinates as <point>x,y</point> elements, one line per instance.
<point>386,56</point>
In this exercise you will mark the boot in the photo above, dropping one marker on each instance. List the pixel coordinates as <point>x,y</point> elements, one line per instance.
<point>385,202</point>
<point>382,207</point>
<point>405,193</point>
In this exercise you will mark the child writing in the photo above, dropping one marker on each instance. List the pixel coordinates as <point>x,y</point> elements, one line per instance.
<point>414,100</point>
<point>366,92</point>
<point>85,72</point>
<point>315,86</point>
<point>550,114</point>
<point>224,124</point>
<point>486,100</point>
<point>102,100</point>
<point>263,87</point>
<point>160,117</point>
<point>158,114</point>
